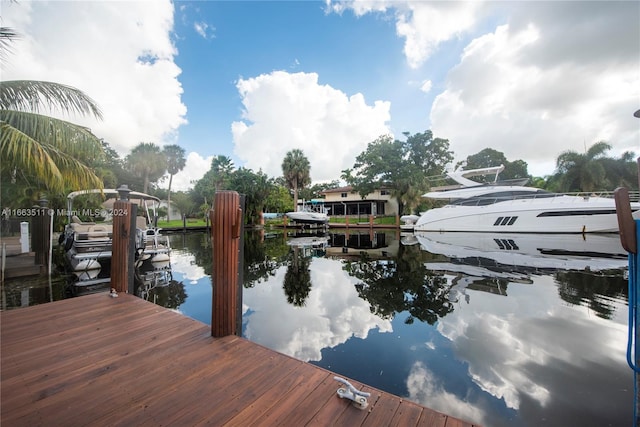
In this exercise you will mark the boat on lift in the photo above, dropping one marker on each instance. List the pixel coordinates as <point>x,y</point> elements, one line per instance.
<point>511,207</point>
<point>310,213</point>
<point>88,243</point>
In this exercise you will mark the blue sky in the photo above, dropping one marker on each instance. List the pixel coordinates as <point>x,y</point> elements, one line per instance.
<point>253,80</point>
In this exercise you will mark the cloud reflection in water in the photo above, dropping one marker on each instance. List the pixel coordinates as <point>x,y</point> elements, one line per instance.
<point>333,313</point>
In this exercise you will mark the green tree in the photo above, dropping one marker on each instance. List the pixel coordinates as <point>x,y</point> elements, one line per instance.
<point>222,167</point>
<point>315,191</point>
<point>582,172</point>
<point>41,151</point>
<point>147,161</point>
<point>489,157</point>
<point>278,200</point>
<point>400,166</point>
<point>621,172</point>
<point>215,179</point>
<point>256,188</point>
<point>296,172</point>
<point>184,203</point>
<point>110,168</point>
<point>175,163</point>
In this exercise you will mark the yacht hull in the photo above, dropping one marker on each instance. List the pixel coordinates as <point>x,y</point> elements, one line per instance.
<point>566,214</point>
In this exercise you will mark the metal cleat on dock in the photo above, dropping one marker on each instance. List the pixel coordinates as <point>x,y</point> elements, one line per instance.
<point>358,397</point>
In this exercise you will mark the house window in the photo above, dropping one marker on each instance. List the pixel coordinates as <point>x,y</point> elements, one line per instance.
<point>343,195</point>
<point>384,192</point>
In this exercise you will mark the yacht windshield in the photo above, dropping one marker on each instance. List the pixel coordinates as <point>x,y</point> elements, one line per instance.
<point>502,196</point>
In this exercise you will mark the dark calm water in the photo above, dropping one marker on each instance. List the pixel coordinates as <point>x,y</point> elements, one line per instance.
<point>499,330</point>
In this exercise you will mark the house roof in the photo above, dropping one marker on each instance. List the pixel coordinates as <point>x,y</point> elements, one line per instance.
<point>346,189</point>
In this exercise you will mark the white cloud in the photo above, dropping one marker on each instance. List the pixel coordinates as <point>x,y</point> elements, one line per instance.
<point>423,25</point>
<point>529,89</point>
<point>121,55</point>
<point>283,111</point>
<point>204,30</point>
<point>426,86</point>
<point>546,78</point>
<point>534,109</point>
<point>195,168</point>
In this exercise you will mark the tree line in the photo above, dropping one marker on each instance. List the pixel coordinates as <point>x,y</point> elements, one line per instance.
<point>40,154</point>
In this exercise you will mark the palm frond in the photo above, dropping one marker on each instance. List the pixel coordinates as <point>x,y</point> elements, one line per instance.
<point>34,96</point>
<point>54,168</point>
<point>7,36</point>
<point>75,140</point>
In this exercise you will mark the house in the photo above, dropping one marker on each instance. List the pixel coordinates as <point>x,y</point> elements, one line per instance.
<point>345,201</point>
<point>175,212</point>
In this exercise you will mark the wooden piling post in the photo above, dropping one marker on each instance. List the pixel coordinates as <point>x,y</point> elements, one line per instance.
<point>123,243</point>
<point>41,232</point>
<point>226,230</point>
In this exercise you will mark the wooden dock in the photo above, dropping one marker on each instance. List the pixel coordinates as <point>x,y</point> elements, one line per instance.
<point>97,360</point>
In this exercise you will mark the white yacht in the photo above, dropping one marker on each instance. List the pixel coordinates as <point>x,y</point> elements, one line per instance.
<point>510,207</point>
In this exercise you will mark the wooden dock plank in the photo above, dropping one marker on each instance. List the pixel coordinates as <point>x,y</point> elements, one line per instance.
<point>96,360</point>
<point>385,410</point>
<point>278,413</point>
<point>408,413</point>
<point>280,381</point>
<point>306,407</point>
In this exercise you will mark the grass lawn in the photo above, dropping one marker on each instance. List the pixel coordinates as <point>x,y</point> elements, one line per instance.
<point>195,222</point>
<point>191,222</point>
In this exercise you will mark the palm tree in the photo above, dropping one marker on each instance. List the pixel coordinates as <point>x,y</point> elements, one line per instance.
<point>221,166</point>
<point>175,163</point>
<point>40,150</point>
<point>147,161</point>
<point>295,169</point>
<point>582,172</point>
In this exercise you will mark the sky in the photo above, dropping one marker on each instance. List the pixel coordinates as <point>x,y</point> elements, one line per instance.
<point>254,80</point>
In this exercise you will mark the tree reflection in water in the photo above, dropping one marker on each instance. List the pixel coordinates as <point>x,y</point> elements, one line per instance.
<point>297,279</point>
<point>592,290</point>
<point>263,255</point>
<point>401,284</point>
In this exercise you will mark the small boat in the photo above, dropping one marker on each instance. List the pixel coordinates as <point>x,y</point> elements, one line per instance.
<point>510,207</point>
<point>88,243</point>
<point>408,222</point>
<point>311,244</point>
<point>310,213</point>
<point>308,240</point>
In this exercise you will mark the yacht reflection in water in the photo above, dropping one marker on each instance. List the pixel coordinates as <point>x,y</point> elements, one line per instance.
<point>487,262</point>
